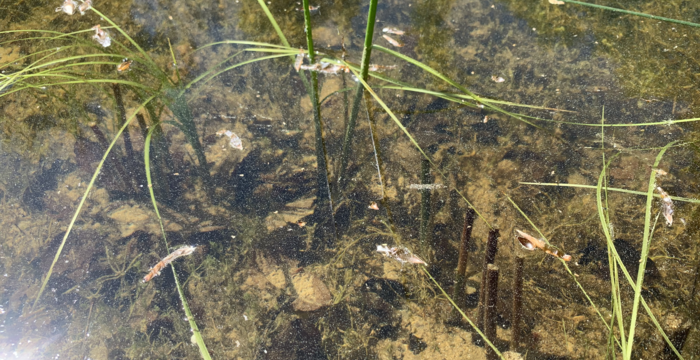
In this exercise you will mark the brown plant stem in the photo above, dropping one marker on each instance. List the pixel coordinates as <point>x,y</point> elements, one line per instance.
<point>517,300</point>
<point>461,279</point>
<point>489,258</point>
<point>490,312</point>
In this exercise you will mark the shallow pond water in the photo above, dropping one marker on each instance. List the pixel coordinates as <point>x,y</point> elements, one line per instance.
<point>285,262</point>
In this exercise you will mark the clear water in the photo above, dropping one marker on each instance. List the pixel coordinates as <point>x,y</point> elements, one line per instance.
<point>275,274</point>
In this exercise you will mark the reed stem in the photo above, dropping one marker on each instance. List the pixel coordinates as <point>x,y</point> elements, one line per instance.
<point>461,278</point>
<point>517,301</point>
<point>489,258</point>
<point>491,313</point>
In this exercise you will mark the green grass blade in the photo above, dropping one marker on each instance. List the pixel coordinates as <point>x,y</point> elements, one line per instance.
<point>635,13</point>
<point>274,23</point>
<point>85,195</point>
<point>581,186</point>
<point>627,355</point>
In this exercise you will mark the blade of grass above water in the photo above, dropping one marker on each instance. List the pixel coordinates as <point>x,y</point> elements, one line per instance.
<point>621,266</point>
<point>645,250</point>
<point>82,201</point>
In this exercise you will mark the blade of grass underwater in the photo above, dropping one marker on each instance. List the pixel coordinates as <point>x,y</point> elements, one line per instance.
<point>473,325</point>
<point>82,201</point>
<point>674,198</point>
<point>566,266</point>
<point>229,68</point>
<point>193,325</point>
<point>645,250</point>
<point>635,13</point>
<point>460,87</point>
<point>458,98</point>
<point>415,143</point>
<point>355,109</point>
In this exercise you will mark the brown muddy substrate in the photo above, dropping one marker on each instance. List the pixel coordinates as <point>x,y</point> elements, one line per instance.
<point>270,280</point>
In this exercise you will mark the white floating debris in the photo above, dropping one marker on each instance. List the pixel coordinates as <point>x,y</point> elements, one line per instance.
<point>426,186</point>
<point>400,253</point>
<point>393,30</point>
<point>498,79</point>
<point>68,7</point>
<point>392,41</point>
<point>101,36</point>
<point>666,205</point>
<point>85,6</point>
<point>235,142</point>
<point>556,2</point>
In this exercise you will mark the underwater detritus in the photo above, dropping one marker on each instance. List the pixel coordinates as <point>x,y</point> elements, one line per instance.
<point>155,271</point>
<point>235,142</point>
<point>666,205</point>
<point>400,254</point>
<point>68,7</point>
<point>531,243</point>
<point>101,36</point>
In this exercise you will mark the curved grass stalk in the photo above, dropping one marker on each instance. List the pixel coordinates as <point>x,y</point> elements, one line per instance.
<point>674,198</point>
<point>438,75</point>
<point>473,325</point>
<point>635,13</point>
<point>190,318</point>
<point>82,201</point>
<point>283,38</point>
<point>211,76</point>
<point>414,142</point>
<point>627,355</point>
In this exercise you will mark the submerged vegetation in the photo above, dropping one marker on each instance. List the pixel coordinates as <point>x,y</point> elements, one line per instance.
<point>284,219</point>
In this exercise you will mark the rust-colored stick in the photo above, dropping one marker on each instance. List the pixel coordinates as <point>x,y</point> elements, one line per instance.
<point>465,242</point>
<point>490,312</point>
<point>517,300</point>
<point>489,257</point>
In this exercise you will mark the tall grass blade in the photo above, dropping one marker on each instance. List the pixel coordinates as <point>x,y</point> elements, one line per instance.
<point>274,23</point>
<point>627,355</point>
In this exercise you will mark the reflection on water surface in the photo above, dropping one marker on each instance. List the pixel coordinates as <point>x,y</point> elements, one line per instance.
<point>275,274</point>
